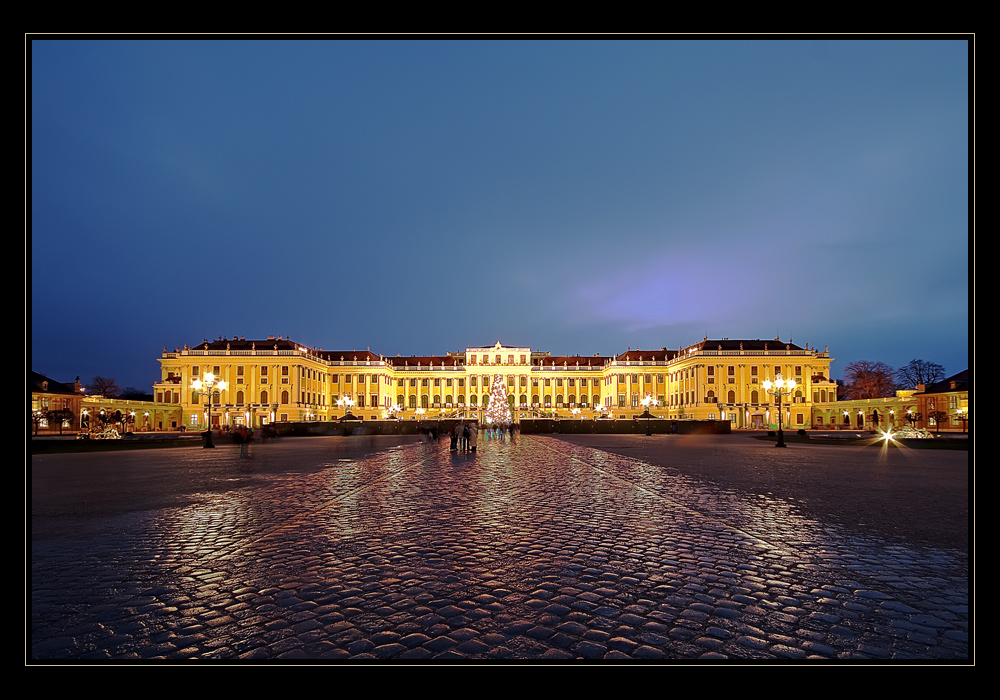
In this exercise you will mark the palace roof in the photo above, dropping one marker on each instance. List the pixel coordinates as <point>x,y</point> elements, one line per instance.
<point>727,344</point>
<point>661,355</point>
<point>956,382</point>
<point>40,384</point>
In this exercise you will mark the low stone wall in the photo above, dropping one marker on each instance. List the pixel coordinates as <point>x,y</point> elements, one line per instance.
<point>638,426</point>
<point>537,426</point>
<point>354,427</point>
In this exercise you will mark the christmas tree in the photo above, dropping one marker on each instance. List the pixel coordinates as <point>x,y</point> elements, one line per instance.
<point>498,410</point>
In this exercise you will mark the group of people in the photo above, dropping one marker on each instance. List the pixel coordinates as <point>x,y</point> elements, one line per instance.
<point>464,437</point>
<point>500,432</point>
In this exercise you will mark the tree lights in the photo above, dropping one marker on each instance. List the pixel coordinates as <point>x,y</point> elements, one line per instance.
<point>498,410</point>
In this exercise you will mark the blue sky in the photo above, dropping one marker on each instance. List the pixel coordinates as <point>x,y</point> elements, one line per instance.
<point>419,197</point>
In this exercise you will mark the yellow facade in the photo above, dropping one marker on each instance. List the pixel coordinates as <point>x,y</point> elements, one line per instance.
<point>276,380</point>
<point>139,416</point>
<point>725,380</point>
<point>940,407</point>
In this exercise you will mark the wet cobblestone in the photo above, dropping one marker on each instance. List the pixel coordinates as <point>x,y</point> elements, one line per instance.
<point>534,549</point>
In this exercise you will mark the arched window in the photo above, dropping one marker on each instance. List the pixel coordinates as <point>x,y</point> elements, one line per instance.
<point>284,396</point>
<point>239,397</point>
<point>731,397</point>
<point>413,401</point>
<point>263,397</point>
<point>754,396</point>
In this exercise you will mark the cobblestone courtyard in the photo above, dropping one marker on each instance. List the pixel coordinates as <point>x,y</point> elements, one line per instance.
<point>536,549</point>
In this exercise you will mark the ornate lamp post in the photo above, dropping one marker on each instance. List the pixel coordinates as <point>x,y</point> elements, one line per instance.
<point>212,386</point>
<point>778,388</point>
<point>346,404</point>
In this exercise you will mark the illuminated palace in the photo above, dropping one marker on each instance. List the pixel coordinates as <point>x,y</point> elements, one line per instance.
<point>275,379</point>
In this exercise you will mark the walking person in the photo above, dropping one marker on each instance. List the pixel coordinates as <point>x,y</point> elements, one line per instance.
<point>466,433</point>
<point>243,438</point>
<point>473,436</point>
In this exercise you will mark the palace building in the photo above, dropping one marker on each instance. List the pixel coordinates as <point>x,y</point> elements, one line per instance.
<point>257,382</point>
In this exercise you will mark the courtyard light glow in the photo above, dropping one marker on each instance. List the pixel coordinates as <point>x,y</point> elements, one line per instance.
<point>210,387</point>
<point>778,388</point>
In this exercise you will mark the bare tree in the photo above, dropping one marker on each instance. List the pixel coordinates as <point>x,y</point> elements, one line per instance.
<point>130,392</point>
<point>59,417</point>
<point>938,417</point>
<point>869,380</point>
<point>919,372</point>
<point>105,386</point>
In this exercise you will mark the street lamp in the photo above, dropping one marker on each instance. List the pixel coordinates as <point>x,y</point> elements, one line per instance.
<point>346,404</point>
<point>647,402</point>
<point>778,388</point>
<point>963,415</point>
<point>211,385</point>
